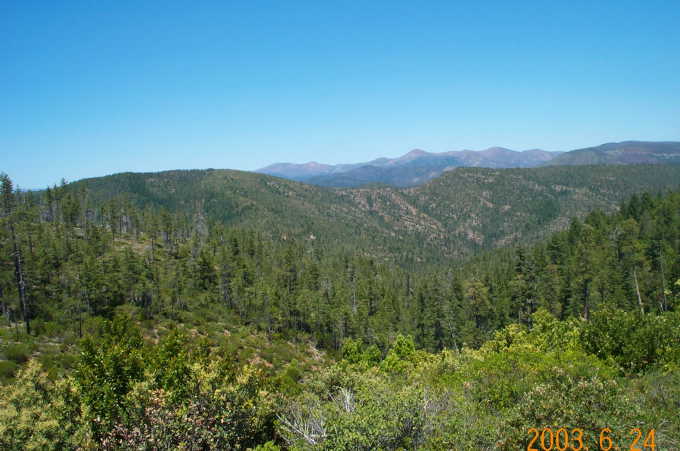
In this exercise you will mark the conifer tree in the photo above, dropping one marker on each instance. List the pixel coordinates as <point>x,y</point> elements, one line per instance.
<point>8,205</point>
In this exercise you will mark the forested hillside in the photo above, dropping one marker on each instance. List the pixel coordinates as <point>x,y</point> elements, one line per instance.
<point>462,212</point>
<point>125,325</point>
<point>77,262</point>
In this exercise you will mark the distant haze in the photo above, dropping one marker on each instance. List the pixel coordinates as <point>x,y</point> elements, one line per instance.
<point>418,166</point>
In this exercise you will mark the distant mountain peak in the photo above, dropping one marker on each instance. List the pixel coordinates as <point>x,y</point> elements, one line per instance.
<point>414,167</point>
<point>416,153</point>
<point>625,152</point>
<point>418,166</point>
<point>314,164</point>
<point>498,149</point>
<point>411,155</point>
<point>295,170</point>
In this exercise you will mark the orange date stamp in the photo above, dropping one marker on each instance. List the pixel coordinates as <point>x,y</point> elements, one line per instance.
<point>565,439</point>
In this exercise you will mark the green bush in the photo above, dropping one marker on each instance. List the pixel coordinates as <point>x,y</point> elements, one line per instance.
<point>18,353</point>
<point>355,353</point>
<point>223,412</point>
<point>659,397</point>
<point>169,365</point>
<point>8,369</point>
<point>360,410</point>
<point>588,403</point>
<point>107,369</point>
<point>633,342</point>
<point>36,413</point>
<point>269,446</point>
<point>58,362</point>
<point>399,357</point>
<point>47,328</point>
<point>287,380</point>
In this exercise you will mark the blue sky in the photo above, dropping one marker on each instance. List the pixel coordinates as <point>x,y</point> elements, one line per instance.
<point>97,87</point>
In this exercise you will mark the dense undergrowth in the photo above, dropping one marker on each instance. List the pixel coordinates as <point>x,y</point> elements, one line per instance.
<point>192,389</point>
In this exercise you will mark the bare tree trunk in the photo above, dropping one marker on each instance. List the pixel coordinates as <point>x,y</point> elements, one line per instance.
<point>586,300</point>
<point>21,283</point>
<point>637,290</point>
<point>5,308</point>
<point>664,307</point>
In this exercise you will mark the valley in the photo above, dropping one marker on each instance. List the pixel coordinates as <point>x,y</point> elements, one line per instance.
<point>340,226</point>
<point>465,211</point>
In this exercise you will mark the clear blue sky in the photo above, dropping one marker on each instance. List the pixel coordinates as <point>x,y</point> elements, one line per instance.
<point>98,87</point>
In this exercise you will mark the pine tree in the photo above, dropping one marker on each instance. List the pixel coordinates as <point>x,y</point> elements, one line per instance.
<point>8,205</point>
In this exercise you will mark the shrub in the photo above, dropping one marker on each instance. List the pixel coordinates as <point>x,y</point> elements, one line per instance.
<point>8,369</point>
<point>659,397</point>
<point>588,403</point>
<point>633,342</point>
<point>218,415</point>
<point>107,369</point>
<point>399,358</point>
<point>18,353</point>
<point>35,414</point>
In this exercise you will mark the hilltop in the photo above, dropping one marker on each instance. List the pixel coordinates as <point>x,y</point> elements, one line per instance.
<point>627,152</point>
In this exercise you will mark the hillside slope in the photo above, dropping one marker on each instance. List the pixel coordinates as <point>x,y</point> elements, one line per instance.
<point>463,211</point>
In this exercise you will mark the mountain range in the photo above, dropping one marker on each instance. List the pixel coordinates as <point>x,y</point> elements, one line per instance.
<point>414,168</point>
<point>418,166</point>
<point>627,152</point>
